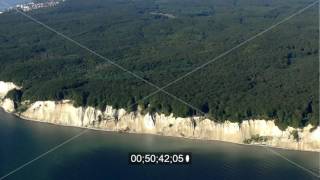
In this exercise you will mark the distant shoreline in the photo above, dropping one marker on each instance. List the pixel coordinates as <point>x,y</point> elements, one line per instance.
<point>121,132</point>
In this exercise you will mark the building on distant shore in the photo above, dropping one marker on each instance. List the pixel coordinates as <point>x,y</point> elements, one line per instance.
<point>32,5</point>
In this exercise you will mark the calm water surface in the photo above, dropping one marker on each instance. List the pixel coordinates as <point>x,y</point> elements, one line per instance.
<point>103,155</point>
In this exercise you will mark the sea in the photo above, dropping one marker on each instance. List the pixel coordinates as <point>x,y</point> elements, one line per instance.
<point>34,150</point>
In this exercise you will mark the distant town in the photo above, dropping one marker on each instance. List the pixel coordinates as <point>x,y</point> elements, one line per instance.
<point>35,5</point>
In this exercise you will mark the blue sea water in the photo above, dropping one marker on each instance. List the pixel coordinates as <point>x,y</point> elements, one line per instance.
<point>104,155</point>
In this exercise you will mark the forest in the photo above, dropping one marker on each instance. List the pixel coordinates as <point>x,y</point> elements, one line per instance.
<point>275,76</point>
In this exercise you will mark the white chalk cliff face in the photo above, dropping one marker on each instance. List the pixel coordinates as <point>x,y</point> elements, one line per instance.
<point>6,103</point>
<point>249,131</point>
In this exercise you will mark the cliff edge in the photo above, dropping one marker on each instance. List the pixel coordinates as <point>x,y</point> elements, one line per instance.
<point>260,132</point>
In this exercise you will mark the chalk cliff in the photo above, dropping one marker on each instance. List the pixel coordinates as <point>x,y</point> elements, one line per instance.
<point>249,131</point>
<point>6,103</point>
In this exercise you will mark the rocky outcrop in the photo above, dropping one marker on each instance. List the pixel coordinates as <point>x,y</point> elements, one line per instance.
<point>249,131</point>
<point>5,87</point>
<point>8,105</point>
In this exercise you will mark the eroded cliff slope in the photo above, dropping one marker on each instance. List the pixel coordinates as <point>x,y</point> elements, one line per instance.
<point>249,131</point>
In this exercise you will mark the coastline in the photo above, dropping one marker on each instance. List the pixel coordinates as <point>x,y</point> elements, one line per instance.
<point>262,133</point>
<point>121,132</point>
<point>99,147</point>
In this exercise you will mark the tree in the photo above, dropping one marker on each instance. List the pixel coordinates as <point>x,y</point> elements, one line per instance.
<point>166,108</point>
<point>205,107</point>
<point>132,105</point>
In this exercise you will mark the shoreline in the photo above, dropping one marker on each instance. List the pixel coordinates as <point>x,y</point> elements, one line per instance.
<point>169,136</point>
<point>257,132</point>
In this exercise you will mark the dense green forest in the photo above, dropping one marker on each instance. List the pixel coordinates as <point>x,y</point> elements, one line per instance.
<point>273,77</point>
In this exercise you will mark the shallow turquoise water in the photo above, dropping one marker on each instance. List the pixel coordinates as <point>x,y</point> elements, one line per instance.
<point>104,155</point>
